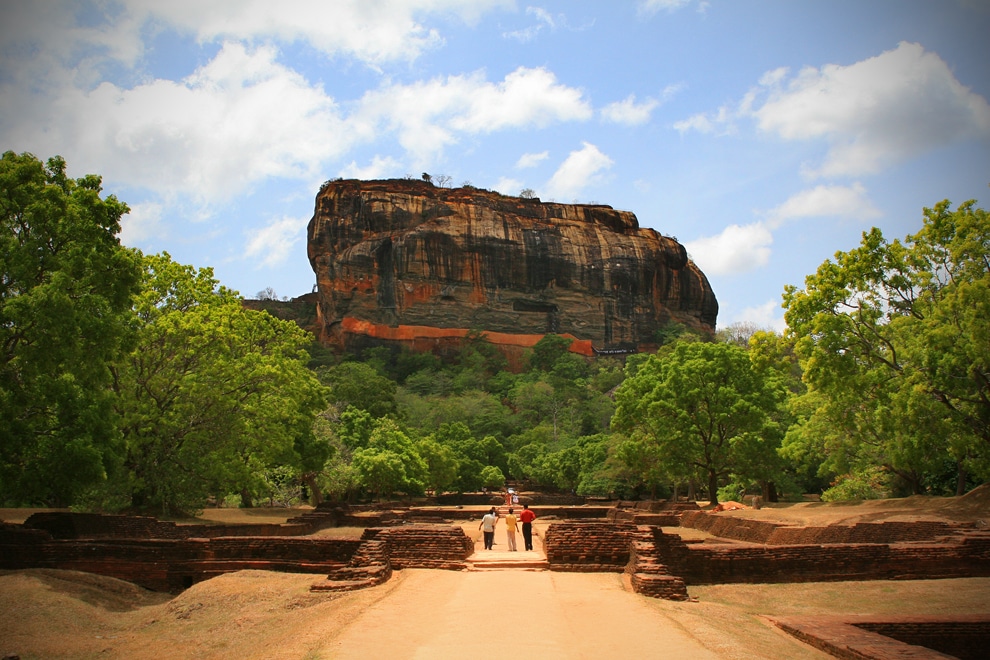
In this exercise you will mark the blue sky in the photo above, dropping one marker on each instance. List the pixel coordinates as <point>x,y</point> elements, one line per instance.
<point>765,136</point>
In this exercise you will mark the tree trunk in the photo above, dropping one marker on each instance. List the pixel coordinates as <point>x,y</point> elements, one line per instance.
<point>691,496</point>
<point>770,492</point>
<point>960,479</point>
<point>316,496</point>
<point>246,501</point>
<point>712,487</point>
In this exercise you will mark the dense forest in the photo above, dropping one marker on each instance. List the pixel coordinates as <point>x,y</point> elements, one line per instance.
<point>132,382</point>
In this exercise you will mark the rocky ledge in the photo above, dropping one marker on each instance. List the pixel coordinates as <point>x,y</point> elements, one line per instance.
<point>406,261</point>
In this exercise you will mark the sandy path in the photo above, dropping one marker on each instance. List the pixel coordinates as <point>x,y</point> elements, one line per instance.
<point>522,614</point>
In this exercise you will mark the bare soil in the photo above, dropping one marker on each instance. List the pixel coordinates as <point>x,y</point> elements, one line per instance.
<point>444,614</point>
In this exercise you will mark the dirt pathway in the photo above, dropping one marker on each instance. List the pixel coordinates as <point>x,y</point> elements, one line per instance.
<point>522,614</point>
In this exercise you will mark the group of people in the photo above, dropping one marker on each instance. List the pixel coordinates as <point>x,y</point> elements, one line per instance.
<point>490,520</point>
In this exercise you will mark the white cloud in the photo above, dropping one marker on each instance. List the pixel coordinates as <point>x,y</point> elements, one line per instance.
<point>826,201</point>
<point>272,244</point>
<point>378,168</point>
<point>768,315</point>
<point>737,249</point>
<point>721,123</point>
<point>629,112</point>
<point>508,186</point>
<point>651,7</point>
<point>143,221</point>
<point>529,33</point>
<point>873,114</point>
<point>239,119</point>
<point>580,169</point>
<point>531,160</point>
<point>374,32</point>
<point>882,110</point>
<point>429,115</point>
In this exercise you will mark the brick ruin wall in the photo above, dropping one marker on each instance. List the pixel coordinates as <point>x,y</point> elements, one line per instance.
<point>965,555</point>
<point>64,525</point>
<point>649,555</point>
<point>165,556</point>
<point>171,564</point>
<point>770,533</point>
<point>885,637</point>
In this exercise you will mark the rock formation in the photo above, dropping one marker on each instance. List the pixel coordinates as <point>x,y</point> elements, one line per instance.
<point>405,261</point>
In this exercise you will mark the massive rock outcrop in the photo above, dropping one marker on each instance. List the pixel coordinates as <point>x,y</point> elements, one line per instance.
<point>405,261</point>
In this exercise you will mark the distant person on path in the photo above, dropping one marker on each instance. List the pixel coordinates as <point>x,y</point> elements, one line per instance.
<point>510,530</point>
<point>527,517</point>
<point>487,527</point>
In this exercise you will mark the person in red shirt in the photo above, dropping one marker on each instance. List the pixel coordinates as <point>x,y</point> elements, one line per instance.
<point>527,517</point>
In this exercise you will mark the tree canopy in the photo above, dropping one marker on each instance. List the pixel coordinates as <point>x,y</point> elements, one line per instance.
<point>894,338</point>
<point>65,300</point>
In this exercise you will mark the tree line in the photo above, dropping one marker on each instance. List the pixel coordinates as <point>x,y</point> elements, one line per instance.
<point>132,382</point>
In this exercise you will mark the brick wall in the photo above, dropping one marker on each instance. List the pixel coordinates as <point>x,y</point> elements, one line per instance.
<point>588,546</point>
<point>424,546</point>
<point>171,564</point>
<point>770,533</point>
<point>966,555</point>
<point>66,525</point>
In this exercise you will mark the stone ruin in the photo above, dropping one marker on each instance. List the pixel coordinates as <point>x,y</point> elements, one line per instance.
<point>628,539</point>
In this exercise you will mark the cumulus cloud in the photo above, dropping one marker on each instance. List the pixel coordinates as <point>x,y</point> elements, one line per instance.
<point>581,169</point>
<point>629,112</point>
<point>240,118</point>
<point>271,245</point>
<point>882,110</point>
<point>508,186</point>
<point>531,160</point>
<point>769,315</point>
<point>378,168</point>
<point>737,249</point>
<point>143,221</point>
<point>872,114</point>
<point>429,115</point>
<point>836,201</point>
<point>720,123</point>
<point>651,7</point>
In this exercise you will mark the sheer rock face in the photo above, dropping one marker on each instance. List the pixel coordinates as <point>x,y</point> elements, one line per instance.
<point>402,260</point>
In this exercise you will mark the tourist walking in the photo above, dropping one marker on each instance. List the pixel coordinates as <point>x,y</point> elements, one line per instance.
<point>510,530</point>
<point>527,517</point>
<point>487,528</point>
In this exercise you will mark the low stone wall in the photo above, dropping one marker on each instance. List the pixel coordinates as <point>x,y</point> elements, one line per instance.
<point>170,564</point>
<point>424,546</point>
<point>966,555</point>
<point>651,512</point>
<point>771,533</point>
<point>415,546</point>
<point>892,637</point>
<point>67,525</point>
<point>589,546</point>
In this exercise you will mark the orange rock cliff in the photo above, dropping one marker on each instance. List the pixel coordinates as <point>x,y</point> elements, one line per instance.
<point>403,261</point>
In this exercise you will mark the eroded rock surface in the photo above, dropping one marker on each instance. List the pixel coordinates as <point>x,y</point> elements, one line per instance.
<point>403,260</point>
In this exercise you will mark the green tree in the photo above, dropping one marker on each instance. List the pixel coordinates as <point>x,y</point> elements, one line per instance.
<point>705,405</point>
<point>360,385</point>
<point>388,437</point>
<point>548,350</point>
<point>893,337</point>
<point>381,470</point>
<point>492,477</point>
<point>213,394</point>
<point>441,464</point>
<point>65,298</point>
